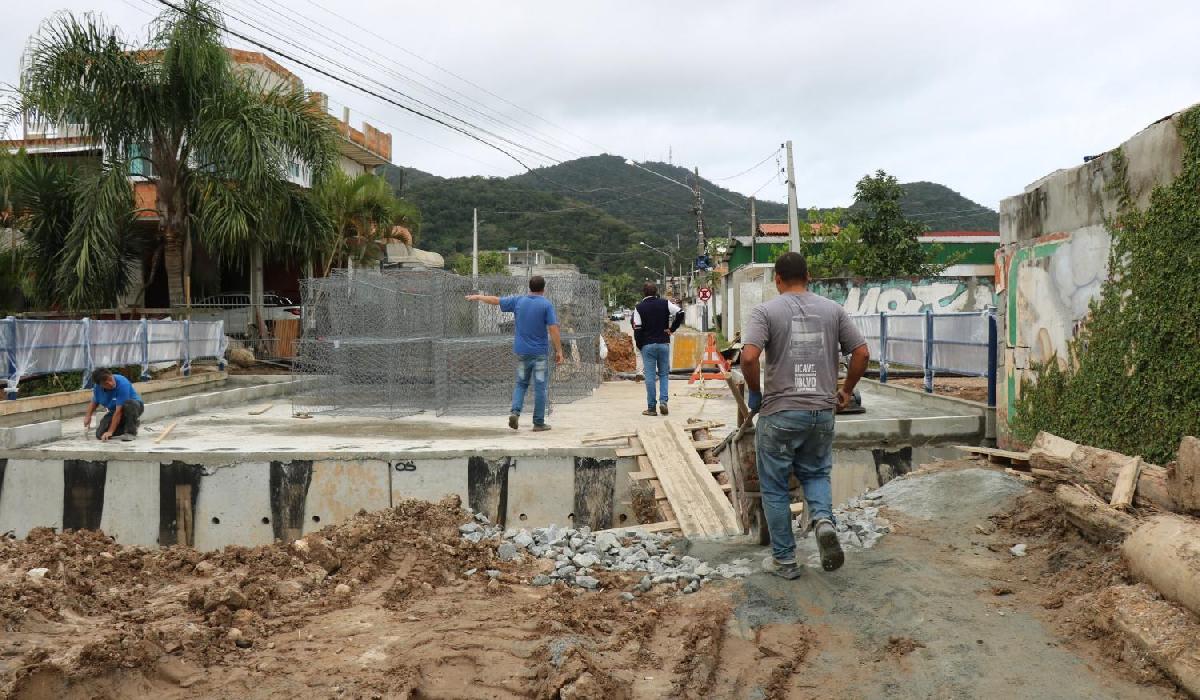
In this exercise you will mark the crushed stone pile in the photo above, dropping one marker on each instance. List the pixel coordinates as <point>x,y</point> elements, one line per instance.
<point>859,523</point>
<point>577,554</point>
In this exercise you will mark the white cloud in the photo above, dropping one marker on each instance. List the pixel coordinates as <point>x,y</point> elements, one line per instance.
<point>983,97</point>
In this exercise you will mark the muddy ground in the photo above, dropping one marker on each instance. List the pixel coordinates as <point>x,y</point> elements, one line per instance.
<point>380,607</point>
<point>969,388</point>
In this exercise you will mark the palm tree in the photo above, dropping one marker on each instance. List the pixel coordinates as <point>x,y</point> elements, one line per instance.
<point>363,210</point>
<point>218,141</point>
<point>53,207</point>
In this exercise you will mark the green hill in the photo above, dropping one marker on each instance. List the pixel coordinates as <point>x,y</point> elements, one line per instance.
<point>593,211</point>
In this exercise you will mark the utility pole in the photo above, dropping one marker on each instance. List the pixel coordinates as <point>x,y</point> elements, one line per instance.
<point>753,232</point>
<point>474,244</point>
<point>528,260</point>
<point>793,214</point>
<point>698,209</point>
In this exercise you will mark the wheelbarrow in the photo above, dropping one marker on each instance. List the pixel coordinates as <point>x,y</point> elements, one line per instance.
<point>738,455</point>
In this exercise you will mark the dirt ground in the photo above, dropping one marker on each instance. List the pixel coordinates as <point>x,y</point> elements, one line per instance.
<point>622,356</point>
<point>969,388</point>
<point>381,607</point>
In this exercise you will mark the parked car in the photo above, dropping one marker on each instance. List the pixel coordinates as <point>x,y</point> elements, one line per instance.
<point>234,309</point>
<point>618,315</point>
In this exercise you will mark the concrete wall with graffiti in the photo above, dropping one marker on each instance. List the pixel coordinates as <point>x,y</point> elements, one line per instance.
<point>1054,249</point>
<point>751,285</point>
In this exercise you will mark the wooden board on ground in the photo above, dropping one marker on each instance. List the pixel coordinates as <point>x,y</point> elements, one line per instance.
<point>1019,460</point>
<point>166,432</point>
<point>702,509</point>
<point>1126,484</point>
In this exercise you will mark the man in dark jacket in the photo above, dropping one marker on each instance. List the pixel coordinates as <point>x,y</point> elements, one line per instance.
<point>654,320</point>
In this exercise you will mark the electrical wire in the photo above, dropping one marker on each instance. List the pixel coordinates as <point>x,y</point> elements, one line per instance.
<point>238,17</point>
<point>454,75</point>
<point>321,34</point>
<point>751,169</point>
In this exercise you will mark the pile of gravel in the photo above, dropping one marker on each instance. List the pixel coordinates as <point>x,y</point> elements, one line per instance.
<point>578,553</point>
<point>859,524</point>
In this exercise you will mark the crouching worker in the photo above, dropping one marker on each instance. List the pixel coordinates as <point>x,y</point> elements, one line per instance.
<point>804,336</point>
<point>117,395</point>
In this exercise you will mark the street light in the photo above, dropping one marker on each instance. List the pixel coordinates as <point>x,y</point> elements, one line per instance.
<point>651,269</point>
<point>670,259</point>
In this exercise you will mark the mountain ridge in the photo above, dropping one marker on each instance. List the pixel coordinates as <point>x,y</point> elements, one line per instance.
<point>593,211</point>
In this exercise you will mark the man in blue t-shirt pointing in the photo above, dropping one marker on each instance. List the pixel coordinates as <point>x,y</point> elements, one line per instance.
<point>116,394</point>
<point>536,326</point>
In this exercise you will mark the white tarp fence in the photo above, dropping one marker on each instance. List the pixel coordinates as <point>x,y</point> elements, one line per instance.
<point>946,342</point>
<point>32,347</point>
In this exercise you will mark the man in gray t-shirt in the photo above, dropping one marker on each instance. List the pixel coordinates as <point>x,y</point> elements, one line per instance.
<point>803,336</point>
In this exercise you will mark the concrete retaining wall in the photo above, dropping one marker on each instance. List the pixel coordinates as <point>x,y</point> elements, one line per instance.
<point>150,502</point>
<point>1054,250</point>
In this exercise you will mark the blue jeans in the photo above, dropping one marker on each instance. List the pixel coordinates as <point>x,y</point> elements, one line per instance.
<point>800,443</point>
<point>656,363</point>
<point>533,368</point>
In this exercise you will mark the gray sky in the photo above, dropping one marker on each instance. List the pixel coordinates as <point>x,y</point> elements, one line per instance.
<point>984,97</point>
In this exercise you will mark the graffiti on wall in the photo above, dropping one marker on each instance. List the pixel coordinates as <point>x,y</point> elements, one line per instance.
<point>941,295</point>
<point>1052,293</point>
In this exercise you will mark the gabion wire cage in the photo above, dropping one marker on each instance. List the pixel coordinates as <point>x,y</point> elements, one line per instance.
<point>401,342</point>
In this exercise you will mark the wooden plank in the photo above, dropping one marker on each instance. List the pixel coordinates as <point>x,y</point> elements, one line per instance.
<point>664,508</point>
<point>662,453</point>
<point>702,445</point>
<point>701,507</point>
<point>260,411</point>
<point>716,469</point>
<point>1126,484</point>
<point>183,514</point>
<point>796,508</point>
<point>727,524</point>
<point>608,438</point>
<point>664,526</point>
<point>995,452</point>
<point>631,451</point>
<point>642,476</point>
<point>166,432</point>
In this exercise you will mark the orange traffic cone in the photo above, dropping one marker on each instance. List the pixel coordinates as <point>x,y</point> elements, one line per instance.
<point>711,358</point>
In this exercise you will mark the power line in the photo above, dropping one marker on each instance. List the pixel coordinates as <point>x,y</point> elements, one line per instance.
<point>453,74</point>
<point>752,168</point>
<point>237,17</point>
<point>320,34</point>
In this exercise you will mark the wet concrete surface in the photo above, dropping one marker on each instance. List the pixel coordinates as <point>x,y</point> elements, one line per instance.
<point>926,583</point>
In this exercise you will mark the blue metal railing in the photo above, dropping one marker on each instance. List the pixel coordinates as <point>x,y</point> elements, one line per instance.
<point>76,346</point>
<point>955,359</point>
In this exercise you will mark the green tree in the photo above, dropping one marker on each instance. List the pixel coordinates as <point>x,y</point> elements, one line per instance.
<point>54,206</point>
<point>889,240</point>
<point>362,211</point>
<point>620,290</point>
<point>219,142</point>
<point>490,263</point>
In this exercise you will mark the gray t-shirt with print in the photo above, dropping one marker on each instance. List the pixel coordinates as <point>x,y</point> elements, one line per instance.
<point>803,335</point>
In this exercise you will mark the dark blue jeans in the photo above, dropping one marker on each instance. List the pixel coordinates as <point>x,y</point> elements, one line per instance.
<point>656,365</point>
<point>800,443</point>
<point>535,369</point>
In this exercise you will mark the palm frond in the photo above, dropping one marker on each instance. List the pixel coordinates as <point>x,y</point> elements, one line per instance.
<point>100,251</point>
<point>79,71</point>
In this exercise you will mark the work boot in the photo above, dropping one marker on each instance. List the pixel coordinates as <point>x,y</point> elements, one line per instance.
<point>832,556</point>
<point>540,427</point>
<point>127,437</point>
<point>512,420</point>
<point>662,409</point>
<point>788,570</point>
<point>649,412</point>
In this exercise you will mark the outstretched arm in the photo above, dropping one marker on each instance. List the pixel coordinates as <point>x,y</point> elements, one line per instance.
<point>494,301</point>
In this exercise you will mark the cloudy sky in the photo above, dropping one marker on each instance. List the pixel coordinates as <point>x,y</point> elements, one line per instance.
<point>982,96</point>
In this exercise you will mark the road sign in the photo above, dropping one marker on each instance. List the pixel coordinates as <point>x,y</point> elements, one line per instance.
<point>704,294</point>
